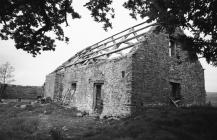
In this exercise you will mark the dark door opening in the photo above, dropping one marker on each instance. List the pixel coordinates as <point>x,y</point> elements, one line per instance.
<point>98,101</point>
<point>73,88</point>
<point>176,90</point>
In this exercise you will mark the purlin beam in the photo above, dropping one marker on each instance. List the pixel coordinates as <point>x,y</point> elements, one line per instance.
<point>117,44</point>
<point>114,51</point>
<point>85,54</point>
<point>119,38</point>
<point>98,45</point>
<point>112,36</point>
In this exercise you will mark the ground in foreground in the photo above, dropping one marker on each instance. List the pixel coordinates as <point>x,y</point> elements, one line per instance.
<point>54,122</point>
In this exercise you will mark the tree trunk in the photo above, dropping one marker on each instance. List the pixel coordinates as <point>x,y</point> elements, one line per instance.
<point>2,90</point>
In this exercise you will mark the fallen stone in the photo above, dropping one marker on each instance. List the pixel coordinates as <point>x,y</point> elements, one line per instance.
<point>2,101</point>
<point>23,106</point>
<point>64,128</point>
<point>79,114</point>
<point>34,102</point>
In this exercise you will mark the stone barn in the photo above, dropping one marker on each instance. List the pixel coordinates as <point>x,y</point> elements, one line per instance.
<point>136,67</point>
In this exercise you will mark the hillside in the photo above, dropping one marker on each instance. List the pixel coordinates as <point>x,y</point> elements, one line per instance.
<point>212,98</point>
<point>24,92</point>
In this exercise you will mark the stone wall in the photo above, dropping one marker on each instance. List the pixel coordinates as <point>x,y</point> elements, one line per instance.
<point>150,71</point>
<point>58,89</point>
<point>49,86</point>
<point>114,75</point>
<point>154,69</point>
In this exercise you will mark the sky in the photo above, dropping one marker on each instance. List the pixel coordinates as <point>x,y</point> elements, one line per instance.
<point>82,33</point>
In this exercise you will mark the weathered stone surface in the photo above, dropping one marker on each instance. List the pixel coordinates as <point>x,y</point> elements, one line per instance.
<point>140,78</point>
<point>49,86</point>
<point>152,74</point>
<point>116,91</point>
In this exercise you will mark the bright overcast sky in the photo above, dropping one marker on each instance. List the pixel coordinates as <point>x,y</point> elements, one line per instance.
<point>82,33</point>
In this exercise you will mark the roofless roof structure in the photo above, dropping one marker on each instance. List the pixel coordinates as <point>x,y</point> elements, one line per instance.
<point>113,46</point>
<point>128,71</point>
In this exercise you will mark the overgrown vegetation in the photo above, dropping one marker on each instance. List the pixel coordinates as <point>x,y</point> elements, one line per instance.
<point>54,122</point>
<point>195,123</point>
<point>24,92</point>
<point>41,122</point>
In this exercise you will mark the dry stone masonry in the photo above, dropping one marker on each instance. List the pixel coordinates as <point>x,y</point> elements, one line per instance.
<point>134,70</point>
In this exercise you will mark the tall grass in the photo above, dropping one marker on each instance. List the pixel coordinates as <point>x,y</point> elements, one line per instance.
<point>163,123</point>
<point>19,128</point>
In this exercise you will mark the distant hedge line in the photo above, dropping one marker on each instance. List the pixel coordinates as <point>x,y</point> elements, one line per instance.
<point>25,92</point>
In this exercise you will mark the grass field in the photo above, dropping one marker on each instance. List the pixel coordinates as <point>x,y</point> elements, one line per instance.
<point>24,92</point>
<point>40,122</point>
<point>53,122</point>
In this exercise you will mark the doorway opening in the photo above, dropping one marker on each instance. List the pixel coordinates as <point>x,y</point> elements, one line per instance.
<point>98,101</point>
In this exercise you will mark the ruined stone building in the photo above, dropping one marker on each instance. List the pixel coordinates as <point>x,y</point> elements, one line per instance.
<point>128,70</point>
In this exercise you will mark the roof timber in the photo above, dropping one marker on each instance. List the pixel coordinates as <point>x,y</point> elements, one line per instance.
<point>109,45</point>
<point>113,40</point>
<point>108,53</point>
<point>114,45</point>
<point>108,38</point>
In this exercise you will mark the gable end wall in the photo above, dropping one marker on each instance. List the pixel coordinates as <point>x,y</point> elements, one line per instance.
<point>154,69</point>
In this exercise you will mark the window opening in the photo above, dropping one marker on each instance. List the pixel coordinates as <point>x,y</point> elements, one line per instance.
<point>176,90</point>
<point>172,48</point>
<point>123,74</point>
<point>73,86</point>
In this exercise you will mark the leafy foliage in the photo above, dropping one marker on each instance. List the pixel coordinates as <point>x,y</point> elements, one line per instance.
<point>28,21</point>
<point>100,10</point>
<point>198,16</point>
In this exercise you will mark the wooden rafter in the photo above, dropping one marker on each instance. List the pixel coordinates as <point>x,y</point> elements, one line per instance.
<point>108,40</point>
<point>114,51</point>
<point>126,40</point>
<point>110,45</point>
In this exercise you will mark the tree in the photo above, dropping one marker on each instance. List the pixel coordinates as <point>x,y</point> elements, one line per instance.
<point>27,21</point>
<point>6,77</point>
